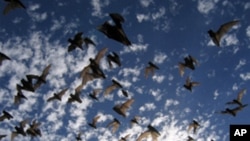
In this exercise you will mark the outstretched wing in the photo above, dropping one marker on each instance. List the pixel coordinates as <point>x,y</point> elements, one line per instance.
<point>3,57</point>
<point>100,55</point>
<point>240,94</point>
<point>225,28</point>
<point>124,107</point>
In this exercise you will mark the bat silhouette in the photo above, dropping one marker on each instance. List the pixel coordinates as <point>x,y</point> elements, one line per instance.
<point>34,130</point>
<point>93,71</point>
<point>76,96</point>
<point>40,79</point>
<point>150,69</point>
<point>134,121</point>
<point>151,132</point>
<point>109,89</point>
<point>94,94</point>
<point>239,97</point>
<point>224,28</point>
<point>76,42</point>
<point>19,129</point>
<point>194,125</point>
<point>116,31</point>
<point>233,111</point>
<point>94,121</point>
<point>113,58</point>
<point>57,96</point>
<point>121,109</point>
<point>115,124</point>
<point>19,95</point>
<point>6,115</point>
<point>12,4</point>
<point>189,62</point>
<point>3,57</point>
<point>190,84</point>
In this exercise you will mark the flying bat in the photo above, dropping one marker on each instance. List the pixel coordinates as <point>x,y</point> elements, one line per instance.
<point>233,111</point>
<point>189,62</point>
<point>194,125</point>
<point>114,57</point>
<point>34,130</point>
<point>19,129</point>
<point>134,121</point>
<point>76,42</point>
<point>6,115</point>
<point>116,31</point>
<point>93,70</point>
<point>76,96</point>
<point>121,109</point>
<point>94,121</point>
<point>190,84</point>
<point>150,69</point>
<point>224,28</point>
<point>94,93</point>
<point>115,124</point>
<point>40,79</point>
<point>109,89</point>
<point>19,95</point>
<point>3,57</point>
<point>57,96</point>
<point>12,4</point>
<point>151,132</point>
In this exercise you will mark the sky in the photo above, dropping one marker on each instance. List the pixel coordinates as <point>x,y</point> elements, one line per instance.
<point>163,32</point>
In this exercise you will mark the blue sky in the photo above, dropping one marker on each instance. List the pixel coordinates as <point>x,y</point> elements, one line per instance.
<point>161,32</point>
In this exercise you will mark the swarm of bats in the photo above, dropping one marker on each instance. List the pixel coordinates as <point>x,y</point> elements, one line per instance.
<point>93,71</point>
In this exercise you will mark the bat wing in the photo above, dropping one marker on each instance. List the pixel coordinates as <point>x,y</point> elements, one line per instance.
<point>225,28</point>
<point>240,94</point>
<point>124,107</point>
<point>143,135</point>
<point>51,98</point>
<point>109,89</point>
<point>62,92</point>
<point>100,55</point>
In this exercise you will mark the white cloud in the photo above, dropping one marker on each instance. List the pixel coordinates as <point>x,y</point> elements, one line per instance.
<point>245,76</point>
<point>241,63</point>
<point>142,17</point>
<point>97,7</point>
<point>147,107</point>
<point>146,3</point>
<point>160,57</point>
<point>205,6</point>
<point>158,78</point>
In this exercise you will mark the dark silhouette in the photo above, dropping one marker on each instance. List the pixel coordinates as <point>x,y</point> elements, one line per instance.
<point>57,96</point>
<point>216,36</point>
<point>3,57</point>
<point>12,4</point>
<point>150,69</point>
<point>189,62</point>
